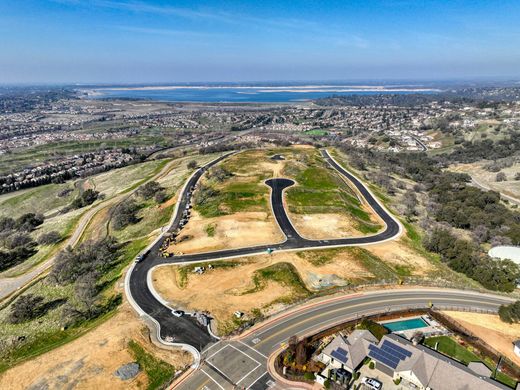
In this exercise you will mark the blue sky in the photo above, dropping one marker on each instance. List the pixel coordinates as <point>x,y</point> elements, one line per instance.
<point>166,41</point>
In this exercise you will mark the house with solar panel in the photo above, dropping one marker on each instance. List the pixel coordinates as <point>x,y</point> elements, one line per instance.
<point>415,365</point>
<point>425,368</point>
<point>348,353</point>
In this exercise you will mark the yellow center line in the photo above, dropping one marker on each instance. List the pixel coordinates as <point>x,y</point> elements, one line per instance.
<point>309,319</point>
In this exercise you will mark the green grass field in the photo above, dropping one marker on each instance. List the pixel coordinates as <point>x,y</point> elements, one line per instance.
<point>286,275</point>
<point>159,373</point>
<point>317,132</point>
<point>449,347</point>
<point>322,190</point>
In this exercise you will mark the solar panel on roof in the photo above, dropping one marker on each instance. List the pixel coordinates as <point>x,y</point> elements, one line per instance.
<point>382,359</point>
<point>342,351</point>
<point>385,357</point>
<point>389,363</point>
<point>397,348</point>
<point>338,356</point>
<point>388,356</point>
<point>393,352</point>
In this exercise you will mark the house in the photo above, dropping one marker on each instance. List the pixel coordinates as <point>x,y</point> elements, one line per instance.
<point>348,353</point>
<point>425,368</point>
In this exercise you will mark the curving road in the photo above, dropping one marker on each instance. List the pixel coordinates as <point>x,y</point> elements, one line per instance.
<point>187,330</point>
<point>220,369</point>
<point>262,341</point>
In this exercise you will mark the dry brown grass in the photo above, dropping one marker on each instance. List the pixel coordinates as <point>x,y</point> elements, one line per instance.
<point>491,330</point>
<point>226,290</point>
<point>90,361</point>
<point>230,231</point>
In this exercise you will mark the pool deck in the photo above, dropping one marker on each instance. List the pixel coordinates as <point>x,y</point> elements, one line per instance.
<point>432,328</point>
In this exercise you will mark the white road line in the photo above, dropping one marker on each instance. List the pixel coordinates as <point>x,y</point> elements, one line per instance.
<point>249,373</point>
<point>210,377</point>
<point>256,380</point>
<point>258,352</point>
<point>250,357</point>
<point>212,365</point>
<point>217,351</point>
<point>212,346</point>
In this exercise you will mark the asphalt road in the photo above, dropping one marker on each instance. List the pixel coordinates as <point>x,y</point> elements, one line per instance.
<point>309,319</point>
<point>187,329</point>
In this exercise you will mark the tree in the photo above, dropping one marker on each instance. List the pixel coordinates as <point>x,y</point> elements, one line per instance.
<point>87,257</point>
<point>510,313</point>
<point>49,238</point>
<point>86,291</point>
<point>501,176</point>
<point>19,239</point>
<point>7,224</point>
<point>26,308</point>
<point>301,352</point>
<point>125,214</point>
<point>148,190</point>
<point>219,174</point>
<point>192,164</point>
<point>86,198</point>
<point>29,221</point>
<point>160,197</point>
<point>410,202</point>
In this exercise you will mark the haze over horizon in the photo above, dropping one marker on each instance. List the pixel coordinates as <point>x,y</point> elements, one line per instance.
<point>126,41</point>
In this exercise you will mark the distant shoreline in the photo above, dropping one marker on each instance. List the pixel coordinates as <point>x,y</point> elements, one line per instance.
<point>274,89</point>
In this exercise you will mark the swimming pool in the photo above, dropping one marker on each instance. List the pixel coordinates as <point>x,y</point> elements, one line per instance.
<point>412,323</point>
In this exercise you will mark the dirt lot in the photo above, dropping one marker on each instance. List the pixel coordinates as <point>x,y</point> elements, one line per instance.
<point>229,286</point>
<point>90,361</point>
<point>228,231</point>
<point>491,330</point>
<point>323,226</point>
<point>399,254</point>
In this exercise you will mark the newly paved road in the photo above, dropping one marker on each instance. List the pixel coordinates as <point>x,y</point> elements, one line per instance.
<point>187,329</point>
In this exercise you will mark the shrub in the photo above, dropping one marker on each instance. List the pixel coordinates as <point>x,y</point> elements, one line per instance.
<point>192,164</point>
<point>309,376</point>
<point>371,365</point>
<point>376,329</point>
<point>26,308</point>
<point>501,176</point>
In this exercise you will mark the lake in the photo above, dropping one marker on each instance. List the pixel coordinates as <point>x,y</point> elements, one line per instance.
<point>246,94</point>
